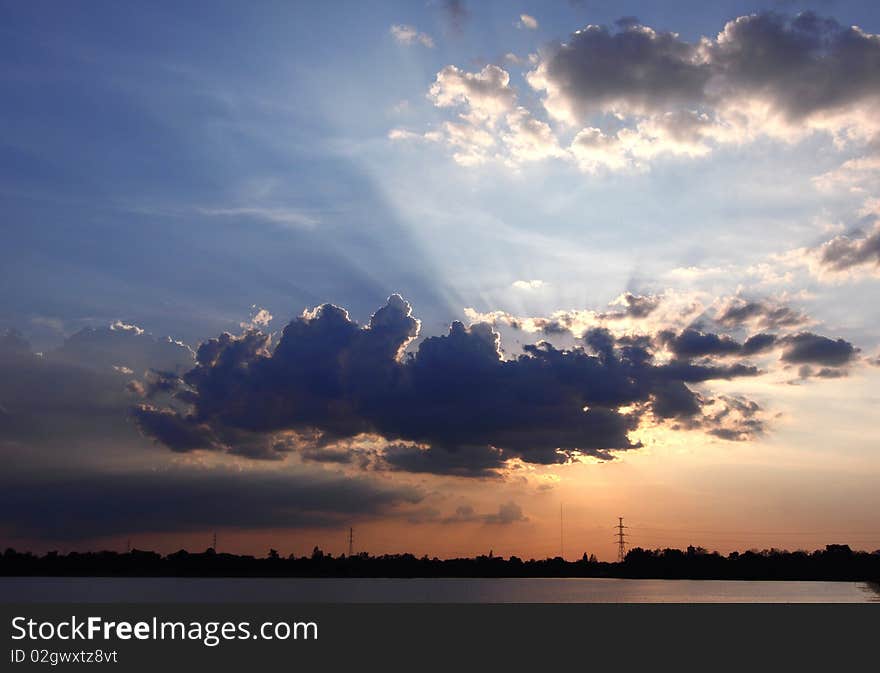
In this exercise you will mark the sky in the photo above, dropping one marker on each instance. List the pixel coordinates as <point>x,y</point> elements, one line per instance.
<point>461,276</point>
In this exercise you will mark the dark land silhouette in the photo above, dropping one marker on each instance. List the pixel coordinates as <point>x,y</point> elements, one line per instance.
<point>834,562</point>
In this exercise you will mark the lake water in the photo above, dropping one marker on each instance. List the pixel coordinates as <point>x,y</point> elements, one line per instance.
<point>433,590</point>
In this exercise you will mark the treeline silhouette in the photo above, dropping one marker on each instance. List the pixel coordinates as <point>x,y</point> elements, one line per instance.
<point>835,562</point>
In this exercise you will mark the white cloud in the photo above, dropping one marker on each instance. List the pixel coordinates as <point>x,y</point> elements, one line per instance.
<point>528,22</point>
<point>408,35</point>
<point>620,99</point>
<point>859,175</point>
<point>487,94</point>
<point>528,284</point>
<point>630,314</point>
<point>530,139</point>
<point>593,150</point>
<point>405,134</point>
<point>259,319</point>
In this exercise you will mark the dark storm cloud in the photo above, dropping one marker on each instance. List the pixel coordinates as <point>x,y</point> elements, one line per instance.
<point>799,348</point>
<point>123,346</point>
<point>730,417</point>
<point>640,306</point>
<point>551,327</point>
<point>759,343</point>
<point>635,66</point>
<point>692,343</point>
<point>337,392</point>
<point>463,461</point>
<point>14,345</point>
<point>156,383</point>
<point>846,252</point>
<point>762,313</point>
<point>809,348</point>
<point>454,406</point>
<point>83,388</point>
<point>88,506</point>
<point>673,399</point>
<point>634,306</point>
<point>798,65</point>
<point>176,431</point>
<point>802,64</point>
<point>736,419</point>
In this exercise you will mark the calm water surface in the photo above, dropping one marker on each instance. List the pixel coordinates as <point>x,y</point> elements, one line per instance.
<point>433,590</point>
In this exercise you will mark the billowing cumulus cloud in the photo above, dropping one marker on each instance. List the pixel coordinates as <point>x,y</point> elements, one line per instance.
<point>672,133</point>
<point>529,139</point>
<point>487,93</point>
<point>779,70</point>
<point>489,123</point>
<point>617,98</point>
<point>803,67</point>
<point>632,69</point>
<point>453,406</point>
<point>259,318</point>
<point>629,312</point>
<point>486,101</point>
<point>336,392</point>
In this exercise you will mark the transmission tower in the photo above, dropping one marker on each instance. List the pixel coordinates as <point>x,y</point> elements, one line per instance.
<point>621,540</point>
<point>350,542</point>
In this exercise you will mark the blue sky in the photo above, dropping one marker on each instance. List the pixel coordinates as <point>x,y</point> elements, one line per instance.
<point>179,168</point>
<point>123,126</point>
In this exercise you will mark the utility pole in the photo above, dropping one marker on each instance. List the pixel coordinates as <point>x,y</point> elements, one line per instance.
<point>621,540</point>
<point>350,542</point>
